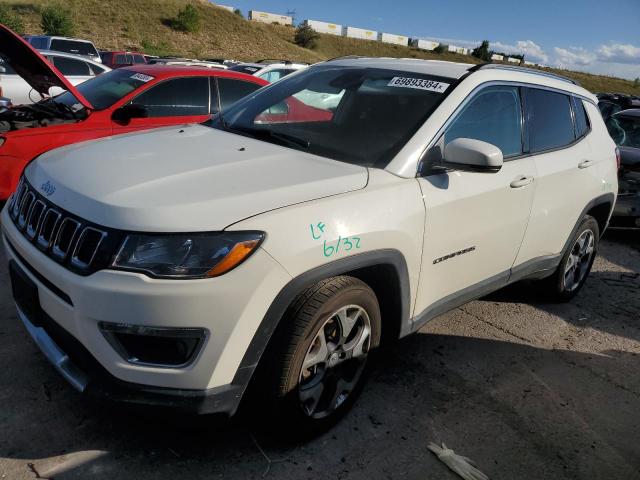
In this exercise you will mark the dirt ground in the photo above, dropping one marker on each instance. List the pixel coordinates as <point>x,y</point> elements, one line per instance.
<point>528,390</point>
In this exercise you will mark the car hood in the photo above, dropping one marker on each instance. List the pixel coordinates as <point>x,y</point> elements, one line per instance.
<point>33,67</point>
<point>189,178</point>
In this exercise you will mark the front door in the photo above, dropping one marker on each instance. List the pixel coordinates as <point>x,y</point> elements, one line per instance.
<point>475,222</point>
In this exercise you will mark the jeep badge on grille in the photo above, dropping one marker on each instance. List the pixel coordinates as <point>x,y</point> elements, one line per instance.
<point>48,188</point>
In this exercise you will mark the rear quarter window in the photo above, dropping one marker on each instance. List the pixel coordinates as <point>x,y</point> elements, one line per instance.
<point>73,46</point>
<point>549,119</point>
<point>582,119</point>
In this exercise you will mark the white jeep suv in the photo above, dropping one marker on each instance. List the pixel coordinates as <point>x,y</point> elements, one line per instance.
<point>269,250</point>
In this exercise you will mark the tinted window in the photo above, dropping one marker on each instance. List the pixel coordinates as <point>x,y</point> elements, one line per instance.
<point>550,122</point>
<point>71,66</point>
<point>41,43</point>
<point>178,97</point>
<point>233,90</point>
<point>582,120</point>
<point>138,59</point>
<point>493,116</point>
<point>73,46</point>
<point>121,59</point>
<point>96,69</point>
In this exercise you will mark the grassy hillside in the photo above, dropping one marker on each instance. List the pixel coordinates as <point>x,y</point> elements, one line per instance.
<point>141,25</point>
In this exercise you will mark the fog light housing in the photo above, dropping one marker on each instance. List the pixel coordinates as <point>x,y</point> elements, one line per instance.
<point>159,347</point>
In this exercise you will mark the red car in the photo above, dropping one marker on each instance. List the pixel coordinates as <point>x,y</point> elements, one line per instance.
<point>122,59</point>
<point>119,101</point>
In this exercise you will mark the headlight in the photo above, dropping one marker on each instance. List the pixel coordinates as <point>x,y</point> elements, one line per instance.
<point>196,255</point>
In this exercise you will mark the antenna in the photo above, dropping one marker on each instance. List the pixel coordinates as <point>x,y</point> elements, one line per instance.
<point>292,14</point>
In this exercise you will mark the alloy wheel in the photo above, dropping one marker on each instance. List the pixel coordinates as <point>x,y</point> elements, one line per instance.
<point>579,260</point>
<point>334,361</point>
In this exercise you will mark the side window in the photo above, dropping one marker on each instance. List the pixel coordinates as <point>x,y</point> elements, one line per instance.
<point>233,90</point>
<point>121,59</point>
<point>71,66</point>
<point>582,119</point>
<point>138,59</point>
<point>97,70</point>
<point>38,43</point>
<point>493,116</point>
<point>549,118</point>
<point>275,75</point>
<point>178,97</point>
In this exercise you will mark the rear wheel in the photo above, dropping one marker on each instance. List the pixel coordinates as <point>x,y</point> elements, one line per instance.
<point>320,360</point>
<point>576,263</point>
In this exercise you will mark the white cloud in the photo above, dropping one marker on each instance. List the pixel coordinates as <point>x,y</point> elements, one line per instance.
<point>619,53</point>
<point>573,56</point>
<point>528,48</point>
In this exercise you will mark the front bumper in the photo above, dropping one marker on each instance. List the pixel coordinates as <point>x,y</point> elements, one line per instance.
<point>229,307</point>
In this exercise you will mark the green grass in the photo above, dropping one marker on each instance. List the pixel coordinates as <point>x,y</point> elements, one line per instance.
<point>142,25</point>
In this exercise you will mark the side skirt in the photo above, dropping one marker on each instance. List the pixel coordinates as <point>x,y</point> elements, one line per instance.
<point>536,268</point>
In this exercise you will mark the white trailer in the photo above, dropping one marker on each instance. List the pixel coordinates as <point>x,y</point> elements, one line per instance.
<point>424,44</point>
<point>266,17</point>
<point>497,58</point>
<point>226,7</point>
<point>361,33</point>
<point>513,60</point>
<point>324,27</point>
<point>529,64</point>
<point>460,50</point>
<point>392,38</point>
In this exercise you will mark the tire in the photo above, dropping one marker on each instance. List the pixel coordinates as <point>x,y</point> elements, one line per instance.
<point>316,367</point>
<point>576,263</point>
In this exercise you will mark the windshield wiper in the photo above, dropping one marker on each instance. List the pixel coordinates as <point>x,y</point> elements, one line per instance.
<point>286,138</point>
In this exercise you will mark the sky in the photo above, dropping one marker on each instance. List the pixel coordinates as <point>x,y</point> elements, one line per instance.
<point>597,36</point>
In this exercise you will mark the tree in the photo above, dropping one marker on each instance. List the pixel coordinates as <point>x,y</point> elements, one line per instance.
<point>636,82</point>
<point>482,52</point>
<point>57,20</point>
<point>238,12</point>
<point>441,48</point>
<point>306,36</point>
<point>187,20</point>
<point>9,18</point>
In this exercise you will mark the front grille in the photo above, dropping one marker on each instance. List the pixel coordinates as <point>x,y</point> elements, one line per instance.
<point>79,245</point>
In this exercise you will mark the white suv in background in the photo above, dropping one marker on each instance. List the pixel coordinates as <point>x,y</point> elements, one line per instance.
<point>265,254</point>
<point>269,70</point>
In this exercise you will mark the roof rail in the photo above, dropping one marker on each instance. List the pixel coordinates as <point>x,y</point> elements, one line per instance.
<point>516,68</point>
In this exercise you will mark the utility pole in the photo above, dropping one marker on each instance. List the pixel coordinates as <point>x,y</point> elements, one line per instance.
<point>292,14</point>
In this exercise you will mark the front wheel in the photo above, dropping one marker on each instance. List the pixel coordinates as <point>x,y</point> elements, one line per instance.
<point>576,263</point>
<point>321,357</point>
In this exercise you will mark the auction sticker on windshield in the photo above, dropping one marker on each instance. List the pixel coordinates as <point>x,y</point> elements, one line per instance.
<point>142,77</point>
<point>419,83</point>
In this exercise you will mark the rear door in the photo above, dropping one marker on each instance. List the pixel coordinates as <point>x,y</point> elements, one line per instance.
<point>475,222</point>
<point>567,170</point>
<point>170,102</point>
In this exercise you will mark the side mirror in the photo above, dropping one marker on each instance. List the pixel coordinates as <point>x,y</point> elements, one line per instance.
<point>279,109</point>
<point>470,155</point>
<point>127,112</point>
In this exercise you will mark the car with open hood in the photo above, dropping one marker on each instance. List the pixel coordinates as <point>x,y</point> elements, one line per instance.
<point>119,101</point>
<point>259,259</point>
<point>75,69</point>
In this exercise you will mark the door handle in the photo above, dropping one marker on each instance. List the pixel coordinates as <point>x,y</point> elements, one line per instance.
<point>521,181</point>
<point>585,164</point>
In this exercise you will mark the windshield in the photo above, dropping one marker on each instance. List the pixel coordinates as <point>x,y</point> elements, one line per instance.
<point>248,69</point>
<point>73,46</point>
<point>107,88</point>
<point>625,130</point>
<point>358,115</point>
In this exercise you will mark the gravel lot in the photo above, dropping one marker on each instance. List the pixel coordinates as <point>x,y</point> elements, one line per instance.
<point>526,389</point>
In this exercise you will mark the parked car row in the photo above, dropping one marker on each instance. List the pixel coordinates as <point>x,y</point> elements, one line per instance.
<point>257,254</point>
